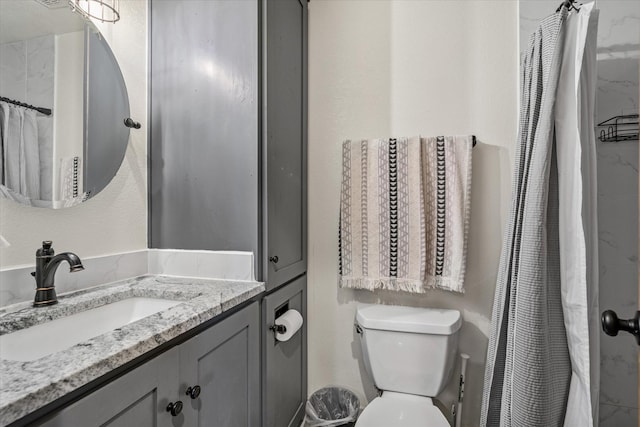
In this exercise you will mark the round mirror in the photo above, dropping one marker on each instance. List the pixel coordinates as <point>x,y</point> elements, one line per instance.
<point>63,103</point>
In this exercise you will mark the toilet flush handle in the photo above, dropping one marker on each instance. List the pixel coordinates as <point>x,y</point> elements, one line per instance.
<point>358,329</point>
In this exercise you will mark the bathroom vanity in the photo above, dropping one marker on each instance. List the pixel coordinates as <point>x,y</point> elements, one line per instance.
<point>227,148</point>
<point>194,363</point>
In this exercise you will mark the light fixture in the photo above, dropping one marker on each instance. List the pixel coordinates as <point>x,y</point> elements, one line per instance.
<point>102,10</point>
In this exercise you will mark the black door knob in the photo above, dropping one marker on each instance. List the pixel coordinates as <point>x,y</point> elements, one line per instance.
<point>611,325</point>
<point>274,259</point>
<point>174,408</point>
<point>193,392</point>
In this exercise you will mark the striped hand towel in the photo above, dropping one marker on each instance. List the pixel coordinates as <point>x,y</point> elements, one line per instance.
<point>404,213</point>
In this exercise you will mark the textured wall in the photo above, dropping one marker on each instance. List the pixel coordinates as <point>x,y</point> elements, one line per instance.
<point>401,68</point>
<point>116,219</point>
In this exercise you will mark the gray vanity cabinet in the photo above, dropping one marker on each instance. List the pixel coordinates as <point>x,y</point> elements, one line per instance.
<point>138,398</point>
<point>285,139</point>
<point>223,360</point>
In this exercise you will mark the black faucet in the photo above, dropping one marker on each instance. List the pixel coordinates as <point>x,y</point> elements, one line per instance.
<point>46,265</point>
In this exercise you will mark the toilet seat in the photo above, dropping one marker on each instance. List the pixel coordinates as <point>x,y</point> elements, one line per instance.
<point>401,410</point>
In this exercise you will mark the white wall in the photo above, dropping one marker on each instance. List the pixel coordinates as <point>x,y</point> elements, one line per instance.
<point>116,219</point>
<point>401,68</point>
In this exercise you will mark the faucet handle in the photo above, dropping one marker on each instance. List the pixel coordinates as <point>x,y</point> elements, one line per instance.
<point>46,249</point>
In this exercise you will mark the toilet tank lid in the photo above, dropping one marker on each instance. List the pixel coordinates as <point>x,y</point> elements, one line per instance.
<point>409,319</point>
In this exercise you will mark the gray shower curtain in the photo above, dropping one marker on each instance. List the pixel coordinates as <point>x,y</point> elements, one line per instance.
<point>535,370</point>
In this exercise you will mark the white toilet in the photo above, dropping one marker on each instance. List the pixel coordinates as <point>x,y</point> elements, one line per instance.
<point>410,354</point>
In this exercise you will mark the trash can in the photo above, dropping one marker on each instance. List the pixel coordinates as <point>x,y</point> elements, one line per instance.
<point>332,406</point>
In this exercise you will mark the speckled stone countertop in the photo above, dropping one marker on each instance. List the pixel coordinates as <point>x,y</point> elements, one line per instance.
<point>28,386</point>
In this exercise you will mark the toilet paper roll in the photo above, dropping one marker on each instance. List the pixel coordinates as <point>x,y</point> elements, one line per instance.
<point>292,321</point>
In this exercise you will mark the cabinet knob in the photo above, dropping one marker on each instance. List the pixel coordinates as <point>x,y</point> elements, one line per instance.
<point>174,408</point>
<point>274,259</point>
<point>193,392</point>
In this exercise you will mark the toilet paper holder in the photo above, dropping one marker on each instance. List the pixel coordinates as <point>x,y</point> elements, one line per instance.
<point>288,321</point>
<point>278,329</point>
<point>282,309</point>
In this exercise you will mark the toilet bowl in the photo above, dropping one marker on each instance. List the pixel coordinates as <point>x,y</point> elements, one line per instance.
<point>409,353</point>
<point>401,410</point>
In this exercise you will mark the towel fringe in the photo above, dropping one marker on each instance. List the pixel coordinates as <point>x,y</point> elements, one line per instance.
<point>404,285</point>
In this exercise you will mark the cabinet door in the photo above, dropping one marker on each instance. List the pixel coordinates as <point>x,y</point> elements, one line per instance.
<point>224,362</point>
<point>284,387</point>
<point>139,398</point>
<point>285,135</point>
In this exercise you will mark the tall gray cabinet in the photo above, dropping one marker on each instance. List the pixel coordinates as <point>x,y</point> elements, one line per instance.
<point>285,135</point>
<point>228,157</point>
<point>284,376</point>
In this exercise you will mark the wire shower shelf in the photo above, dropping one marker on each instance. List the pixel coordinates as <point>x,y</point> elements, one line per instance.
<point>619,128</point>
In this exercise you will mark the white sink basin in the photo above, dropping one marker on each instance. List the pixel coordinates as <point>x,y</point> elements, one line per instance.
<point>47,338</point>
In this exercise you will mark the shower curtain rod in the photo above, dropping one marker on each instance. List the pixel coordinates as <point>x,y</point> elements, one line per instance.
<point>45,111</point>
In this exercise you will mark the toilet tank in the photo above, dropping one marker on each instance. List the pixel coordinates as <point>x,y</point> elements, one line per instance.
<point>406,349</point>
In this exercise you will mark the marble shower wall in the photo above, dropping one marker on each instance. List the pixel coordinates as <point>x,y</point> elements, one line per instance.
<point>27,72</point>
<point>618,53</point>
<point>617,94</point>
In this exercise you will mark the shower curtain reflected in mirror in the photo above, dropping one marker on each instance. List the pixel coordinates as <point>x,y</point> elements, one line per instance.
<point>26,150</point>
<point>542,359</point>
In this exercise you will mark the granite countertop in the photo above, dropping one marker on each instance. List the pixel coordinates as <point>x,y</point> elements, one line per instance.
<point>28,386</point>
